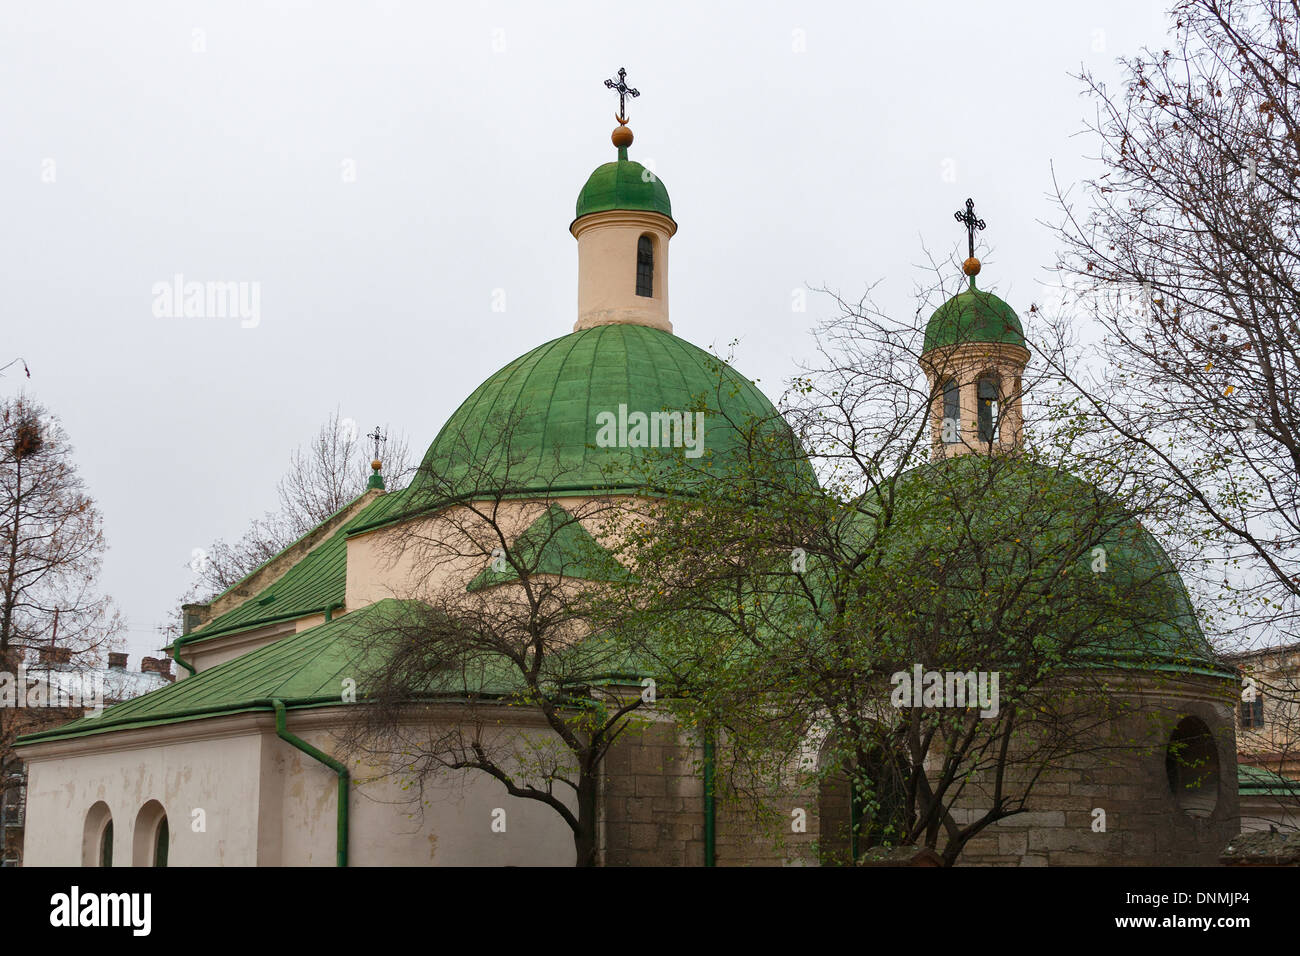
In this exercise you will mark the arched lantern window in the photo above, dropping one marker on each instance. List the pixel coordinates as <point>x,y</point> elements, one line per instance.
<point>645,267</point>
<point>950,428</point>
<point>987,394</point>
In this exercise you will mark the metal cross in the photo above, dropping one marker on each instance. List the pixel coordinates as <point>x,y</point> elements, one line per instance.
<point>971,223</point>
<point>378,438</point>
<point>624,91</point>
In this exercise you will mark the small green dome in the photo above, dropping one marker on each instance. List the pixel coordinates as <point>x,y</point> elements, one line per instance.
<point>535,425</point>
<point>973,316</point>
<point>624,184</point>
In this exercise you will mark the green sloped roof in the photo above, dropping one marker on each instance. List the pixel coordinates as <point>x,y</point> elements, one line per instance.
<point>316,582</point>
<point>973,316</point>
<point>556,543</point>
<point>304,670</point>
<point>624,184</point>
<point>1258,781</point>
<point>531,427</point>
<point>308,669</point>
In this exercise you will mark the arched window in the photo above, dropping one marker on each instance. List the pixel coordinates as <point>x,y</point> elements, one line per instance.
<point>645,267</point>
<point>872,814</point>
<point>988,407</point>
<point>97,836</point>
<point>1192,767</point>
<point>152,836</point>
<point>951,425</point>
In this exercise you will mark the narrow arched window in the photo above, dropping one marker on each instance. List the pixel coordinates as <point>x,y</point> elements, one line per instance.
<point>951,425</point>
<point>162,840</point>
<point>97,836</point>
<point>106,845</point>
<point>645,267</point>
<point>988,407</point>
<point>152,836</point>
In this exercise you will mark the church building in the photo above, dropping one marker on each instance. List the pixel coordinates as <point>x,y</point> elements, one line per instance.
<point>237,763</point>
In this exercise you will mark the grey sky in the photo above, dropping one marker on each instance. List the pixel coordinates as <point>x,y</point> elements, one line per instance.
<point>471,130</point>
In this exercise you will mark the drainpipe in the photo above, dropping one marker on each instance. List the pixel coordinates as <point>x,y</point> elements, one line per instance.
<point>329,610</point>
<point>176,651</point>
<point>282,731</point>
<point>710,807</point>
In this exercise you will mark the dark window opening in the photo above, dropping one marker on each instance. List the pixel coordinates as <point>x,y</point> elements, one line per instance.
<point>951,427</point>
<point>1251,713</point>
<point>645,267</point>
<point>106,845</point>
<point>988,408</point>
<point>162,839</point>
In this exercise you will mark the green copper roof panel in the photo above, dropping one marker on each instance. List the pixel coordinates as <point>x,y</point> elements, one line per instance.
<point>532,426</point>
<point>556,543</point>
<point>624,184</point>
<point>973,316</point>
<point>303,669</point>
<point>314,583</point>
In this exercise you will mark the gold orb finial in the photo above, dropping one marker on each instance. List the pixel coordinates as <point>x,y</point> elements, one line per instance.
<point>971,267</point>
<point>622,136</point>
<point>376,464</point>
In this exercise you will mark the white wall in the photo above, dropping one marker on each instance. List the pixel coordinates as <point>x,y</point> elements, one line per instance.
<point>267,803</point>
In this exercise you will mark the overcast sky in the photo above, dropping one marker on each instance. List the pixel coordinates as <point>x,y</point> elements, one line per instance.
<point>380,169</point>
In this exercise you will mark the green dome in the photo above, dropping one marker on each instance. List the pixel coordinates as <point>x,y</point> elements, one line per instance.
<point>973,316</point>
<point>1034,516</point>
<point>534,426</point>
<point>624,184</point>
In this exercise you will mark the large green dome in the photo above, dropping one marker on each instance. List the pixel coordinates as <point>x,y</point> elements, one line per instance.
<point>973,316</point>
<point>533,426</point>
<point>624,184</point>
<point>1050,529</point>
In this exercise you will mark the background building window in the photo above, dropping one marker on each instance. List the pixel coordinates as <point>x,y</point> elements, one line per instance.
<point>1252,712</point>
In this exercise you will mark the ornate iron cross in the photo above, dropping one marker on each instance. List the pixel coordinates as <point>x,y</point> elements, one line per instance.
<point>378,438</point>
<point>624,91</point>
<point>969,220</point>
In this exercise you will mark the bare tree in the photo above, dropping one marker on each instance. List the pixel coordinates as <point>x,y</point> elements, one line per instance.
<point>1186,250</point>
<point>51,546</point>
<point>780,602</point>
<point>491,667</point>
<point>323,475</point>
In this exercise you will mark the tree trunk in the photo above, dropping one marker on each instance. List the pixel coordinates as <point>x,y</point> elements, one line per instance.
<point>584,837</point>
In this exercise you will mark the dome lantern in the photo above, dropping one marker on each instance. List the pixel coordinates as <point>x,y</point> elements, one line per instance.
<point>973,356</point>
<point>623,222</point>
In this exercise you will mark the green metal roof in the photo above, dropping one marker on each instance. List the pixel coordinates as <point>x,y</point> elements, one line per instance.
<point>301,669</point>
<point>973,316</point>
<point>556,543</point>
<point>316,582</point>
<point>624,184</point>
<point>532,426</point>
<point>1258,781</point>
<point>1165,636</point>
<point>307,669</point>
